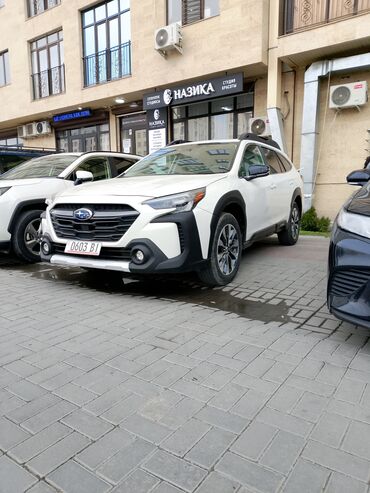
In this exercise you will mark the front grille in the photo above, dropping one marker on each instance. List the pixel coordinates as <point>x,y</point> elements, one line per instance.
<point>105,253</point>
<point>347,282</point>
<point>108,223</point>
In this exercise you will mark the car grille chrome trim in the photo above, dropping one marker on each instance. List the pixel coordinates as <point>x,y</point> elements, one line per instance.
<point>109,222</point>
<point>347,282</point>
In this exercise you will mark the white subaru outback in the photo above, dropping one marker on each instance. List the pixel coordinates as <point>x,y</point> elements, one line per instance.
<point>23,191</point>
<point>185,207</point>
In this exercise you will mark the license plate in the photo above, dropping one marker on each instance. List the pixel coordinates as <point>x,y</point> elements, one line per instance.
<point>83,247</point>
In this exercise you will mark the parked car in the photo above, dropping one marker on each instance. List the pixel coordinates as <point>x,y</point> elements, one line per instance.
<point>349,256</point>
<point>24,189</point>
<point>11,156</point>
<point>186,207</point>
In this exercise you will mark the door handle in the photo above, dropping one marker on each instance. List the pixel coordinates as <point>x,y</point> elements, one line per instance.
<point>272,187</point>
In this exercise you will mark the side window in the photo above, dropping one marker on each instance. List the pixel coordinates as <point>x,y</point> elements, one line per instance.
<point>251,157</point>
<point>120,165</point>
<point>271,160</point>
<point>98,166</point>
<point>285,163</point>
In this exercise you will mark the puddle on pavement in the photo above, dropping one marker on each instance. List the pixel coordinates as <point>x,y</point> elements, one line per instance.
<point>182,288</point>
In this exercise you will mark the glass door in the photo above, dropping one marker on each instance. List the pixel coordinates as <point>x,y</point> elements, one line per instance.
<point>134,134</point>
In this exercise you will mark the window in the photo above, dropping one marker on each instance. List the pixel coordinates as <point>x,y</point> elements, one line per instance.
<point>120,165</point>
<point>271,160</point>
<point>89,138</point>
<point>252,157</point>
<point>188,11</point>
<point>38,6</point>
<point>285,163</point>
<point>98,166</point>
<point>48,65</point>
<point>223,118</point>
<point>107,42</point>
<point>2,3</point>
<point>4,68</point>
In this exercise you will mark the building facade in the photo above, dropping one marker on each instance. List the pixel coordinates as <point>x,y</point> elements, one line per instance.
<point>79,75</point>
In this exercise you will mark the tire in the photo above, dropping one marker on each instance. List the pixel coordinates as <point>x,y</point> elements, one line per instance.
<point>226,250</point>
<point>289,236</point>
<point>24,236</point>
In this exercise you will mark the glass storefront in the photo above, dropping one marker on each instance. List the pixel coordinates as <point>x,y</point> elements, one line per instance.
<point>84,139</point>
<point>224,118</point>
<point>134,134</point>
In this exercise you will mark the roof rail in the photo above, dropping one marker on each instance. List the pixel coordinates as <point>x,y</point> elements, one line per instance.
<point>259,138</point>
<point>178,141</point>
<point>26,148</point>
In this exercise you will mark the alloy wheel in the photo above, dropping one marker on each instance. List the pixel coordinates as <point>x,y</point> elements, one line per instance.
<point>227,249</point>
<point>31,236</point>
<point>295,222</point>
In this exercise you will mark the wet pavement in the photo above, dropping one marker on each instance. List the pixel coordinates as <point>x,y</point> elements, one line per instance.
<point>161,385</point>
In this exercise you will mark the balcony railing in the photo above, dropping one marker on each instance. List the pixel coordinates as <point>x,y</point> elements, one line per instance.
<point>302,14</point>
<point>107,65</point>
<point>49,82</point>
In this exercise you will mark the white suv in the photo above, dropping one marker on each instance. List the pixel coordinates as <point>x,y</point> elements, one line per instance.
<point>24,189</point>
<point>186,207</point>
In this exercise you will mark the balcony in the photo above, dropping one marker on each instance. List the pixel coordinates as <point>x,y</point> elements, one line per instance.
<point>107,65</point>
<point>48,82</point>
<point>299,15</point>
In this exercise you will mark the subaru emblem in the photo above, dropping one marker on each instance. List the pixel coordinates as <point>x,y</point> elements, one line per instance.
<point>83,214</point>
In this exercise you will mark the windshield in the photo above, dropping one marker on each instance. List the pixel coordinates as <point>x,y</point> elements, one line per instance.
<point>40,167</point>
<point>189,159</point>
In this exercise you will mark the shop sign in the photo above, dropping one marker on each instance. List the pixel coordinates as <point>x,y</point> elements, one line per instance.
<point>198,91</point>
<point>157,128</point>
<point>72,115</point>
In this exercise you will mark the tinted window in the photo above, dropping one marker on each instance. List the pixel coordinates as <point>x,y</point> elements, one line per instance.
<point>271,160</point>
<point>252,157</point>
<point>120,165</point>
<point>285,163</point>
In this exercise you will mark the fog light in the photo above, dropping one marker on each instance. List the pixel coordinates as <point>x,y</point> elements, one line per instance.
<point>45,247</point>
<point>139,256</point>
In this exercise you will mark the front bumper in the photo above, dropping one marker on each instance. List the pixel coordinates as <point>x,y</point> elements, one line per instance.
<point>120,258</point>
<point>348,294</point>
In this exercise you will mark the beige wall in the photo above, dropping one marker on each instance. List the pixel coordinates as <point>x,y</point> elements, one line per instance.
<point>232,41</point>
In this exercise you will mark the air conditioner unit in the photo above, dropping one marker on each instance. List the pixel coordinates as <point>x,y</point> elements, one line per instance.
<point>35,129</point>
<point>260,126</point>
<point>348,95</point>
<point>21,131</point>
<point>168,38</point>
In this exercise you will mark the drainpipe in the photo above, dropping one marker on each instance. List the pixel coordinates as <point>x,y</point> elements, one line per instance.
<point>311,113</point>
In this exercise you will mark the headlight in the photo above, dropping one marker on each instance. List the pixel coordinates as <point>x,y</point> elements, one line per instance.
<point>3,190</point>
<point>181,202</point>
<point>355,223</point>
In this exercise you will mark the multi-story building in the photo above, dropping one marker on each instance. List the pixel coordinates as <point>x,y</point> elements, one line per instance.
<point>81,75</point>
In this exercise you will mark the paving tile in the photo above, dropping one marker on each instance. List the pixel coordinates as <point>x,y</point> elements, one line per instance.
<point>249,473</point>
<point>48,416</point>
<point>14,478</point>
<point>338,483</point>
<point>145,428</point>
<point>286,422</point>
<point>337,460</point>
<point>73,478</point>
<point>221,419</point>
<point>87,424</point>
<point>283,452</point>
<point>36,444</point>
<point>254,440</point>
<point>215,483</point>
<point>125,461</point>
<point>185,437</point>
<point>357,440</point>
<point>307,477</point>
<point>11,434</point>
<point>210,448</point>
<point>330,429</point>
<point>139,482</point>
<point>174,470</point>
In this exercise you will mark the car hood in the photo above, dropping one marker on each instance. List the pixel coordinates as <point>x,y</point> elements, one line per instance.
<point>359,203</point>
<point>22,182</point>
<point>143,186</point>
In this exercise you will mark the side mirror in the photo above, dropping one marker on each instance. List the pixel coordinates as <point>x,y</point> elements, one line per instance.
<point>83,177</point>
<point>257,172</point>
<point>359,177</point>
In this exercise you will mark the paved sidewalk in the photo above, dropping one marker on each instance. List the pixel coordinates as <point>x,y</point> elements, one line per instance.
<point>163,387</point>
